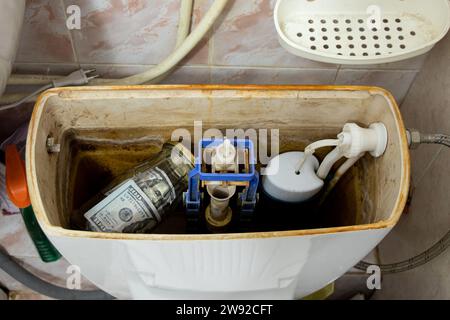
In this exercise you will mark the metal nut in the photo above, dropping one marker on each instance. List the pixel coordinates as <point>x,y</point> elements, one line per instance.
<point>413,138</point>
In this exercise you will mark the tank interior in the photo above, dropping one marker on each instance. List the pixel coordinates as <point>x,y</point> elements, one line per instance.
<point>102,136</point>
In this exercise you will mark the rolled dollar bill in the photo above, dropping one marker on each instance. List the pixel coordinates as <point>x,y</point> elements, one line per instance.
<point>126,209</point>
<point>149,191</point>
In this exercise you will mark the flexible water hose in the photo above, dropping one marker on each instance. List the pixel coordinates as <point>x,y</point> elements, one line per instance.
<point>28,279</point>
<point>425,257</point>
<point>310,149</point>
<point>435,139</point>
<point>184,24</point>
<point>324,169</point>
<point>440,246</point>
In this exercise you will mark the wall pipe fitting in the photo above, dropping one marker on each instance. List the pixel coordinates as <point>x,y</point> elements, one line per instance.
<point>415,138</point>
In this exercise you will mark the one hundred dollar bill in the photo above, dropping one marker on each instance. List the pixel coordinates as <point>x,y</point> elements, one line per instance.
<point>127,209</point>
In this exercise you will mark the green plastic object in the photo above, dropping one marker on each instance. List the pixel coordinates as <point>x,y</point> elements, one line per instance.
<point>45,248</point>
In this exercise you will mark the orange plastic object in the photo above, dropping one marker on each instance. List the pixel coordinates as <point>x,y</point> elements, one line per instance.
<point>16,179</point>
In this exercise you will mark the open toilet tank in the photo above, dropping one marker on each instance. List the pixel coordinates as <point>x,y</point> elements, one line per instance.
<point>281,264</point>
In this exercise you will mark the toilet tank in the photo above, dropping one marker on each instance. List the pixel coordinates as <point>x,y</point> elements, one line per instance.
<point>11,18</point>
<point>107,128</point>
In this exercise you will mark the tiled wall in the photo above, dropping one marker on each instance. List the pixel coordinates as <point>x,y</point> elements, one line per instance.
<point>123,37</point>
<point>120,37</point>
<point>426,108</point>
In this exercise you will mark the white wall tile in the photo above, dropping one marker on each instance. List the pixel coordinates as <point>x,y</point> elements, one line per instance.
<point>45,37</point>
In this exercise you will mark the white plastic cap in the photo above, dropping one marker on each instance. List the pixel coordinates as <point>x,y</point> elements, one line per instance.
<point>356,140</point>
<point>225,153</point>
<point>284,184</point>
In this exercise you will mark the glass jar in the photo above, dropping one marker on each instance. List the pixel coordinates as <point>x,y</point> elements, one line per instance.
<point>138,200</point>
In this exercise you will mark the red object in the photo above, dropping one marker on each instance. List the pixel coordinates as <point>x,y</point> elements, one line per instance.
<point>16,178</point>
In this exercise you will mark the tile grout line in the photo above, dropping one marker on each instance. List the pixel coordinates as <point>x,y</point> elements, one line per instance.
<point>428,167</point>
<point>339,68</point>
<point>337,73</point>
<point>409,89</point>
<point>211,45</point>
<point>200,66</point>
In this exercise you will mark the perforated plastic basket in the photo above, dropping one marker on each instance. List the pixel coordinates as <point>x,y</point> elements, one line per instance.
<point>361,31</point>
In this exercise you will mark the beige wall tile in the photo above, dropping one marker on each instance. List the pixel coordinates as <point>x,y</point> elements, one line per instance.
<point>127,32</point>
<point>395,81</point>
<point>189,75</point>
<point>247,37</point>
<point>45,37</point>
<point>272,76</point>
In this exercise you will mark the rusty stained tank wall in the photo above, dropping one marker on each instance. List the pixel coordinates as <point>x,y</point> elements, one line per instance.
<point>302,114</point>
<point>94,163</point>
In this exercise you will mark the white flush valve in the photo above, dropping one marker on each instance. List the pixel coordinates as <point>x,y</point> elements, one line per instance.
<point>352,142</point>
<point>293,176</point>
<point>355,140</point>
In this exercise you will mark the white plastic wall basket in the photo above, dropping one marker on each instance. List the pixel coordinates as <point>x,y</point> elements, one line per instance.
<point>361,31</point>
